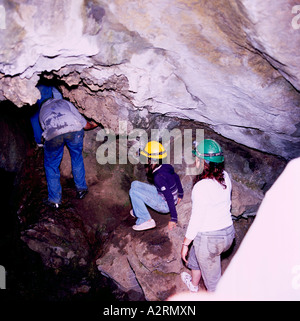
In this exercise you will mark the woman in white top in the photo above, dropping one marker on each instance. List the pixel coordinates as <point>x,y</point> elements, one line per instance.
<point>210,228</point>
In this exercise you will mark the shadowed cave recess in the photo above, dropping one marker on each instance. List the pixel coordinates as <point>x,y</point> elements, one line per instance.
<point>220,71</point>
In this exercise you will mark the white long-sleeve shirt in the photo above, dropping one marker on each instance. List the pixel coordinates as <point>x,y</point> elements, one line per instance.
<point>211,204</point>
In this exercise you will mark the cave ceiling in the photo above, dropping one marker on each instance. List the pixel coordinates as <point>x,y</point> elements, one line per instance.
<point>231,64</point>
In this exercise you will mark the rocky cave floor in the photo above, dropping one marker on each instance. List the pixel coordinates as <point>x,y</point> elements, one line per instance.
<point>27,276</point>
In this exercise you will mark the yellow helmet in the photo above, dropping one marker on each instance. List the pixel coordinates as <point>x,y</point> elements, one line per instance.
<point>154,150</point>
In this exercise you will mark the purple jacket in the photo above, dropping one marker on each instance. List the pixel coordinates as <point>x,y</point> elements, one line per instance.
<point>168,184</point>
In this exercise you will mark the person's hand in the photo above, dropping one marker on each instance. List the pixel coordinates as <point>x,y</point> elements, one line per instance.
<point>171,225</point>
<point>179,200</point>
<point>93,123</point>
<point>184,253</point>
<point>90,125</point>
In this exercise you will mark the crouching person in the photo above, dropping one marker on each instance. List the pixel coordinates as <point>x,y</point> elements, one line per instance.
<point>162,194</point>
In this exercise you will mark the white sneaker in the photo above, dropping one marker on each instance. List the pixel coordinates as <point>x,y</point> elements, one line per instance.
<point>187,279</point>
<point>131,213</point>
<point>144,226</point>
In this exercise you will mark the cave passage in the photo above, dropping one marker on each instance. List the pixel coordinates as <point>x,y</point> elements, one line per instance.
<point>22,190</point>
<point>52,255</point>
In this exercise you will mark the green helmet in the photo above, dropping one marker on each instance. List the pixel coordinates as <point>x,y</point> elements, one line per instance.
<point>209,150</point>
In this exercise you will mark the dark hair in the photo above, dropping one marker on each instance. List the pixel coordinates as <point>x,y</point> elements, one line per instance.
<point>150,167</point>
<point>214,171</point>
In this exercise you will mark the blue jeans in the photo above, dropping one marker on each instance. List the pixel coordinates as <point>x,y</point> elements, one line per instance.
<point>53,153</point>
<point>205,254</point>
<point>142,194</point>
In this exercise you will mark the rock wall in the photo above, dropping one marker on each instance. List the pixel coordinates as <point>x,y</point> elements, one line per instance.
<point>231,64</point>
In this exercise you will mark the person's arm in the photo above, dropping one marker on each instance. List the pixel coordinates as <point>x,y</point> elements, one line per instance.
<point>163,188</point>
<point>199,198</point>
<point>185,248</point>
<point>87,124</point>
<point>198,208</point>
<point>90,125</point>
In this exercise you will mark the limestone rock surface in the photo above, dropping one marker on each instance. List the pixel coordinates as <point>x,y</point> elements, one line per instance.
<point>231,64</point>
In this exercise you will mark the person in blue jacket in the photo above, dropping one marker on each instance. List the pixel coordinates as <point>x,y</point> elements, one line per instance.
<point>162,195</point>
<point>62,125</point>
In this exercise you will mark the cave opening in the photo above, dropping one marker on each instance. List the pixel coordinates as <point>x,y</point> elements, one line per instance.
<point>23,188</point>
<point>16,146</point>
